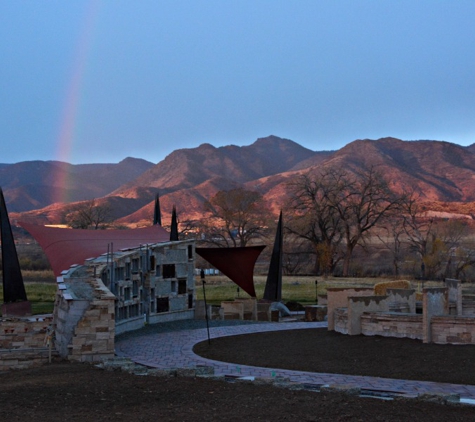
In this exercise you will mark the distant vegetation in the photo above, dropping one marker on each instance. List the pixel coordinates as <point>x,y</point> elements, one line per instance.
<point>40,295</point>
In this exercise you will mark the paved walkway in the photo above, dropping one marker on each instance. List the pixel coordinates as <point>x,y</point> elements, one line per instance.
<point>175,350</point>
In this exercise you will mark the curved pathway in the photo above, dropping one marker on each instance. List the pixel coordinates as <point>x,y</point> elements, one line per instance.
<point>175,350</point>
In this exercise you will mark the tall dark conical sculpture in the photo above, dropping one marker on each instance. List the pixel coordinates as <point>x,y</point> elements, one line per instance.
<point>157,215</point>
<point>273,289</point>
<point>174,226</point>
<point>15,302</point>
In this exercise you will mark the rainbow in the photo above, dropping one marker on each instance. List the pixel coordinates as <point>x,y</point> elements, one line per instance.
<point>70,109</point>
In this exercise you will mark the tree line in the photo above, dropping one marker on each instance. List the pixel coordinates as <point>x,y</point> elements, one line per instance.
<point>336,222</point>
<point>345,223</point>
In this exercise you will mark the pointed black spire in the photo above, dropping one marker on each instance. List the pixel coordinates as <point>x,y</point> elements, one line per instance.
<point>13,287</point>
<point>273,289</point>
<point>157,215</point>
<point>174,226</point>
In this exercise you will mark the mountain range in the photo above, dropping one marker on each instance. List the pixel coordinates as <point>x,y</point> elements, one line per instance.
<point>38,191</point>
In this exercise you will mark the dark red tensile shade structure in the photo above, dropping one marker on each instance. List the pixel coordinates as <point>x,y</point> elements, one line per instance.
<point>14,294</point>
<point>236,263</point>
<point>65,247</point>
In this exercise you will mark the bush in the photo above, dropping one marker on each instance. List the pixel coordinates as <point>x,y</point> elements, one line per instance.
<point>380,288</point>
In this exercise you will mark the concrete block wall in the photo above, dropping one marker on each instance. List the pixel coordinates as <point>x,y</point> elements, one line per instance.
<point>392,324</point>
<point>171,316</point>
<point>178,303</point>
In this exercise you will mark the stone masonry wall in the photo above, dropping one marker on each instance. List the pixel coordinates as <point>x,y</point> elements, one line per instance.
<point>23,341</point>
<point>392,324</point>
<point>360,304</point>
<point>341,320</point>
<point>453,329</point>
<point>338,298</point>
<point>85,320</point>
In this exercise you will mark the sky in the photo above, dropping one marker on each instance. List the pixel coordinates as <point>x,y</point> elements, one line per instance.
<point>96,81</point>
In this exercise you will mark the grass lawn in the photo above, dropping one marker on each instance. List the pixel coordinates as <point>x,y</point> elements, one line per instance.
<point>294,288</point>
<point>40,295</point>
<point>219,288</point>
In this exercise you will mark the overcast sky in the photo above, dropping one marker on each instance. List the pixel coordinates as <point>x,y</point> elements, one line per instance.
<point>96,81</point>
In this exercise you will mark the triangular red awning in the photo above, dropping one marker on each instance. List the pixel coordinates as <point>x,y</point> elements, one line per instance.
<point>236,263</point>
<point>66,247</point>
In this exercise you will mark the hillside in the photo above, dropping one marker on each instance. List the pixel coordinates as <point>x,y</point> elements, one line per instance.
<point>30,185</point>
<point>441,171</point>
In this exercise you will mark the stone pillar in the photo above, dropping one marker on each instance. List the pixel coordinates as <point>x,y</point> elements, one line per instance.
<point>455,293</point>
<point>435,302</point>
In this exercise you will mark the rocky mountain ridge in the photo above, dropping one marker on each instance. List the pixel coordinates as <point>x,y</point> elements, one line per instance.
<point>442,171</point>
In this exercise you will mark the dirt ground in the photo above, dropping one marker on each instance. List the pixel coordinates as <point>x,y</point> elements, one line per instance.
<point>80,392</point>
<point>320,350</point>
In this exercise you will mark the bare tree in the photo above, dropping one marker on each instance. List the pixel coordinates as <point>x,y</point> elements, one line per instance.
<point>362,202</point>
<point>419,228</point>
<point>88,215</point>
<point>392,237</point>
<point>313,216</point>
<point>334,208</point>
<point>235,217</point>
<point>463,257</point>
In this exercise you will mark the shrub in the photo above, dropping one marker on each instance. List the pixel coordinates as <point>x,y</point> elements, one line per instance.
<point>380,288</point>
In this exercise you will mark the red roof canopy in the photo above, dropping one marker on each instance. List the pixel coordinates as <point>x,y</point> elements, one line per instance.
<point>236,263</point>
<point>65,247</point>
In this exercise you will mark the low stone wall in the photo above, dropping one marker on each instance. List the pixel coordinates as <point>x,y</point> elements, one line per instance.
<point>361,304</point>
<point>24,358</point>
<point>232,310</point>
<point>172,316</point>
<point>315,313</point>
<point>263,312</point>
<point>468,307</point>
<point>392,324</point>
<point>338,298</point>
<point>24,333</point>
<point>453,329</point>
<point>249,308</point>
<point>340,318</point>
<point>84,320</point>
<point>370,315</point>
<point>24,341</point>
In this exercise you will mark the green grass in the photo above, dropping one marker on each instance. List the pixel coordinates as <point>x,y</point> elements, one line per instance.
<point>297,288</point>
<point>294,288</point>
<point>40,295</point>
<point>42,276</point>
